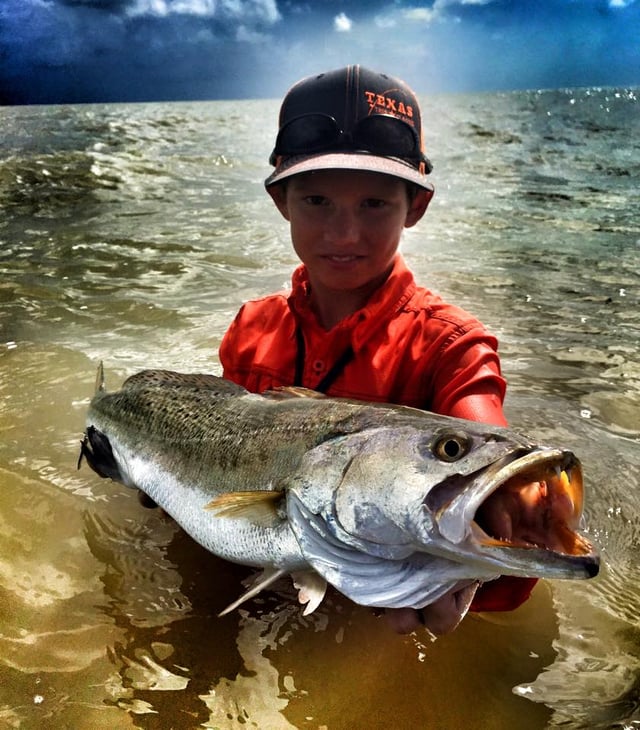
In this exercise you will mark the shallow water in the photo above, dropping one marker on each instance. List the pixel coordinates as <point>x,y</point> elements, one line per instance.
<point>131,234</point>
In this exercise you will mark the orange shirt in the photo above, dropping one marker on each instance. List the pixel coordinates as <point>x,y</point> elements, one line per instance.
<point>406,346</point>
<point>409,346</point>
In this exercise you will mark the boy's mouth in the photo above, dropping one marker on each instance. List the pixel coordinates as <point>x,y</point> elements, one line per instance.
<point>342,258</point>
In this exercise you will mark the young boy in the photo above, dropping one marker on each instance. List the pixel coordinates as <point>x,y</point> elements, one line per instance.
<point>350,174</point>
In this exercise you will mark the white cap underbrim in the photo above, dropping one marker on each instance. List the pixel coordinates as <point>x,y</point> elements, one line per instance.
<point>348,161</point>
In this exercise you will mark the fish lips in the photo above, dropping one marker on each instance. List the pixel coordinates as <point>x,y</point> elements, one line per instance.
<point>554,548</point>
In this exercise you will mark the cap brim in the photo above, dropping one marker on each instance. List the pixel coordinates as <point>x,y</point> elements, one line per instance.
<point>353,161</point>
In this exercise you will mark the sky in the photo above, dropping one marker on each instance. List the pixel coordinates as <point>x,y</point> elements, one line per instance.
<point>77,51</point>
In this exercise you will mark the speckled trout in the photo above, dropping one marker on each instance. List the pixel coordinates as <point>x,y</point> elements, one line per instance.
<point>393,506</point>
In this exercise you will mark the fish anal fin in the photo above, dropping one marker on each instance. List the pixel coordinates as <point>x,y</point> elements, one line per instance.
<point>260,582</point>
<point>311,589</point>
<point>257,506</point>
<point>292,391</point>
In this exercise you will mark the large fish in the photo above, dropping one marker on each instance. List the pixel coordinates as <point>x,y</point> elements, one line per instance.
<point>395,507</point>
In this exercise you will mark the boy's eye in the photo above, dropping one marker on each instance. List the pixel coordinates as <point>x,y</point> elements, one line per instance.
<point>315,199</point>
<point>374,203</point>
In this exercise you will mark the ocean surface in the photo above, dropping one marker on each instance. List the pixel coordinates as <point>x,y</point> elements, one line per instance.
<point>131,234</point>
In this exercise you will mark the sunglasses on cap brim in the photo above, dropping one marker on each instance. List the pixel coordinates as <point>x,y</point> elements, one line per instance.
<point>380,134</point>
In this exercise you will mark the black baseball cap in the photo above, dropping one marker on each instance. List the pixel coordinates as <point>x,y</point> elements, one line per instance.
<point>352,118</point>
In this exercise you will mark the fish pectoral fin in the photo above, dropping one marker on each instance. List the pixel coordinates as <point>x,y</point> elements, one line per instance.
<point>311,589</point>
<point>258,506</point>
<point>260,581</point>
<point>291,391</point>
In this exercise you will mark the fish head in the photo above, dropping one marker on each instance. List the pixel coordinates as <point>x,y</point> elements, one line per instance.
<point>373,484</point>
<point>523,513</point>
<point>478,496</point>
<point>383,492</point>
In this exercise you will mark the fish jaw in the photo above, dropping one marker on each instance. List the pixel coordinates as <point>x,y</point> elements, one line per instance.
<point>370,487</point>
<point>523,516</point>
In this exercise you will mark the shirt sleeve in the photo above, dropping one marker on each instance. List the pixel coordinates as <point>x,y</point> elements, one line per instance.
<point>228,351</point>
<point>468,381</point>
<point>238,351</point>
<point>505,593</point>
<point>477,390</point>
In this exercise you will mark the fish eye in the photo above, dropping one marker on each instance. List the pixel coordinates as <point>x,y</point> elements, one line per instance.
<point>451,447</point>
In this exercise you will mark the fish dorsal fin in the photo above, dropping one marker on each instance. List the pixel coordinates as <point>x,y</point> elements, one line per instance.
<point>99,386</point>
<point>311,589</point>
<point>260,581</point>
<point>292,391</point>
<point>258,506</point>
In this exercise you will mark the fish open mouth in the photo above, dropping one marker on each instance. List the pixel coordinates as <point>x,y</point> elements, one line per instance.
<point>521,514</point>
<point>535,501</point>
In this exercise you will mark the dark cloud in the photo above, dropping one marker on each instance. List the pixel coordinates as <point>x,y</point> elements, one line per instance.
<point>109,6</point>
<point>91,50</point>
<point>66,51</point>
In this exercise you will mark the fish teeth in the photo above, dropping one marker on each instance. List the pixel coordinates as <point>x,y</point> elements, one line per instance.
<point>564,475</point>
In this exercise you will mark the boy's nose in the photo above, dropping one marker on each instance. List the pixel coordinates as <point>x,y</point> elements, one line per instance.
<point>343,228</point>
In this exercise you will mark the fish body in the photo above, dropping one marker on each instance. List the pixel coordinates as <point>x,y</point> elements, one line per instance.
<point>393,506</point>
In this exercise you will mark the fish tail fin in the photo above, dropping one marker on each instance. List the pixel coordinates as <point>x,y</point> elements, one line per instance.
<point>261,581</point>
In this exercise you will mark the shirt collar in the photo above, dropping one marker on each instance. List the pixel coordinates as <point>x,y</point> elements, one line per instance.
<point>381,307</point>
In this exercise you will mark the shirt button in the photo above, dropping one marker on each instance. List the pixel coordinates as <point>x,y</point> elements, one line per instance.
<point>318,366</point>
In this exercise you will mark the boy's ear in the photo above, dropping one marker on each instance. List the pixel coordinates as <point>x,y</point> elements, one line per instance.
<point>418,207</point>
<point>278,194</point>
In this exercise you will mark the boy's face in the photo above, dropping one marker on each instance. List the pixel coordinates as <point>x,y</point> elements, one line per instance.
<point>346,224</point>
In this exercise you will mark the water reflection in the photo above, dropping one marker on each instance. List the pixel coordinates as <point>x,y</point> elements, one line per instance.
<point>132,235</point>
<point>268,666</point>
<point>109,611</point>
